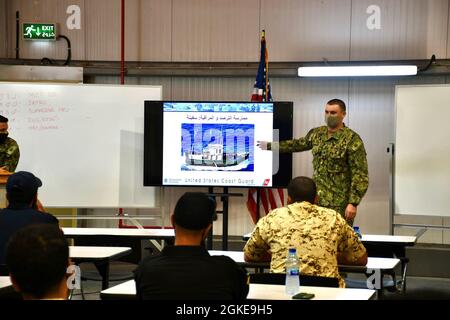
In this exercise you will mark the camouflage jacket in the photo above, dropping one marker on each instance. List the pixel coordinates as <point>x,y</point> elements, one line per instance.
<point>319,234</point>
<point>339,162</point>
<point>9,154</point>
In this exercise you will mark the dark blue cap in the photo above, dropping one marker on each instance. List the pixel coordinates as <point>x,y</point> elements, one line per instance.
<point>22,186</point>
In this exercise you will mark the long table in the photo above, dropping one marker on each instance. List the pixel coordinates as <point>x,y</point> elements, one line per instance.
<point>402,241</point>
<point>390,246</point>
<point>384,265</point>
<point>127,290</point>
<point>119,236</point>
<point>158,234</point>
<point>5,283</point>
<point>100,256</point>
<point>378,245</point>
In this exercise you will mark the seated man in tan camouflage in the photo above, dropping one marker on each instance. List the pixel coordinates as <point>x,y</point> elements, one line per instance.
<point>322,237</point>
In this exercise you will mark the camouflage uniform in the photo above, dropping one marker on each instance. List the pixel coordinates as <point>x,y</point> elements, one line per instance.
<point>340,165</point>
<point>9,154</point>
<point>319,234</point>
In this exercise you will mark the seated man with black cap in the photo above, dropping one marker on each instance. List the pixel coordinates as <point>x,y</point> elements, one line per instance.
<point>186,271</point>
<point>21,193</point>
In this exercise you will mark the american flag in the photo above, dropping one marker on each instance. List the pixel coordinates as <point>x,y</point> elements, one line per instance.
<point>270,198</point>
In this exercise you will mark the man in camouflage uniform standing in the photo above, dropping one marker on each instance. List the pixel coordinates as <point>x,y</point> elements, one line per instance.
<point>9,149</point>
<point>339,161</point>
<point>321,236</point>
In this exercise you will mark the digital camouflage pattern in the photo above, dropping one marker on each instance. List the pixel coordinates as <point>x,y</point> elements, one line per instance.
<point>9,154</point>
<point>339,162</point>
<point>319,235</point>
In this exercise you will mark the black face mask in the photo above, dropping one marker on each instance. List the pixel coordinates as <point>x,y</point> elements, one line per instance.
<point>3,137</point>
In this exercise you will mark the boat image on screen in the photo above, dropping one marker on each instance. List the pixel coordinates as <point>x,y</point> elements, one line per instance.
<point>215,147</point>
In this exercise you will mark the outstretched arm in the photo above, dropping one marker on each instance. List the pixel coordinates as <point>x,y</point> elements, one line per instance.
<point>287,146</point>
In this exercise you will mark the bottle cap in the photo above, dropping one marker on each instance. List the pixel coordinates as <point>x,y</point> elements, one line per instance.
<point>292,250</point>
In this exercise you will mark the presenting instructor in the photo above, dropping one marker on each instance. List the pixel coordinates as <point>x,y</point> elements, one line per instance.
<point>339,161</point>
<point>9,149</point>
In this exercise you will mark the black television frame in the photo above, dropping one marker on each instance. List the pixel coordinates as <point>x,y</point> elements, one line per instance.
<point>153,142</point>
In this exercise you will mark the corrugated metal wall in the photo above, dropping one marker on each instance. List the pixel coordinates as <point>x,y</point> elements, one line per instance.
<point>410,29</point>
<point>228,30</point>
<point>297,30</point>
<point>3,27</point>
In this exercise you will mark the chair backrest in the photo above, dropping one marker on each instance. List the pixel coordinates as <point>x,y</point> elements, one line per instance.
<point>305,280</point>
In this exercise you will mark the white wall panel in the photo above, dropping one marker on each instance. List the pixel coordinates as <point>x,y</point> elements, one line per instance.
<point>371,115</point>
<point>205,30</point>
<point>306,30</point>
<point>148,30</point>
<point>371,111</point>
<point>410,29</point>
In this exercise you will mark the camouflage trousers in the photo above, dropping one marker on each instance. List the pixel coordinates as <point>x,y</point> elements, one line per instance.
<point>341,211</point>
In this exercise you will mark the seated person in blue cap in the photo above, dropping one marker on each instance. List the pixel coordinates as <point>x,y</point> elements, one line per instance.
<point>186,271</point>
<point>37,258</point>
<point>21,193</point>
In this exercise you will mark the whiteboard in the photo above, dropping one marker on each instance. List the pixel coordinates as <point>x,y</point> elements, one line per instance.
<point>422,150</point>
<point>85,142</point>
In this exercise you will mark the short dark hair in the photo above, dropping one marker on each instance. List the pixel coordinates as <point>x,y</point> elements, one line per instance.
<point>302,189</point>
<point>339,102</point>
<point>3,119</point>
<point>195,211</point>
<point>37,258</point>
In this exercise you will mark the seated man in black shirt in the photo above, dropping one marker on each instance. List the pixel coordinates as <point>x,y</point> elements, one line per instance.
<point>186,271</point>
<point>21,193</point>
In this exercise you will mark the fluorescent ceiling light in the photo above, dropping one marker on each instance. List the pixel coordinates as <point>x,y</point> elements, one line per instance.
<point>357,71</point>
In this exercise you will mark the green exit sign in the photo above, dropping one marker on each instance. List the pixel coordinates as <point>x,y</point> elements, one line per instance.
<point>39,31</point>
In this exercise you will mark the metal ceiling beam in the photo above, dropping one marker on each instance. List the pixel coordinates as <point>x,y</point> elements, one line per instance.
<point>221,69</point>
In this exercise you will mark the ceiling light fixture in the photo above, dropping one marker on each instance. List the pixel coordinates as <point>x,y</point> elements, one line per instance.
<point>357,71</point>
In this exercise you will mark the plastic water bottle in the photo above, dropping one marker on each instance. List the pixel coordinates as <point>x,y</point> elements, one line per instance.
<point>357,231</point>
<point>292,272</point>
